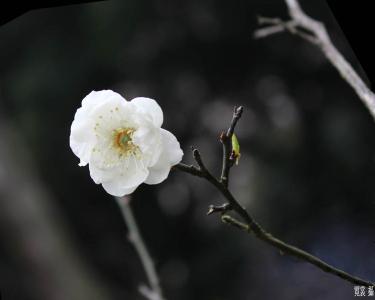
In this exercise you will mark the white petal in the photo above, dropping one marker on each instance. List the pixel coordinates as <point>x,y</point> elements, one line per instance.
<point>98,97</point>
<point>112,114</point>
<point>150,107</point>
<point>114,188</point>
<point>126,181</point>
<point>82,136</point>
<point>100,175</point>
<point>171,155</point>
<point>149,141</point>
<point>129,171</point>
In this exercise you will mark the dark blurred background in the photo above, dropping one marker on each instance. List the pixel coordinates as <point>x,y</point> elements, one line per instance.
<point>306,171</point>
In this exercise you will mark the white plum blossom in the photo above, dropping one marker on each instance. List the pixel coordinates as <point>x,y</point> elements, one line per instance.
<point>123,142</point>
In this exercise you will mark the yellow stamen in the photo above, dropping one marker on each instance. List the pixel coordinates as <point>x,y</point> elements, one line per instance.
<point>122,141</point>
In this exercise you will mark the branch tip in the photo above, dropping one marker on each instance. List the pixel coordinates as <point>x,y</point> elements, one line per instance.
<point>238,110</point>
<point>219,208</point>
<point>234,222</point>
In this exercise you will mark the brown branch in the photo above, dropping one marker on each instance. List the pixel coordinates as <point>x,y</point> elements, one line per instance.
<point>249,224</point>
<point>297,252</point>
<point>318,35</point>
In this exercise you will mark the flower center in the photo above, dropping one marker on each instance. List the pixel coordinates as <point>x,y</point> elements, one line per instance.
<point>122,141</point>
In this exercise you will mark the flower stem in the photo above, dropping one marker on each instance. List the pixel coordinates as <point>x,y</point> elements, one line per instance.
<point>135,237</point>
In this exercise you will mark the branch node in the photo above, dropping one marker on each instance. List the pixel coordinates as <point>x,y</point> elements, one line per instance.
<point>222,136</point>
<point>232,158</point>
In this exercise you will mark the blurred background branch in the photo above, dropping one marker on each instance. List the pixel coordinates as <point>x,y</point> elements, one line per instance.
<point>317,34</point>
<point>34,234</point>
<point>154,292</point>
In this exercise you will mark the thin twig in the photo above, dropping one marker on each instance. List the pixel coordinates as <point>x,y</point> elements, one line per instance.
<point>318,35</point>
<point>226,139</point>
<point>249,224</point>
<point>234,222</point>
<point>155,291</point>
<point>276,25</point>
<point>218,208</point>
